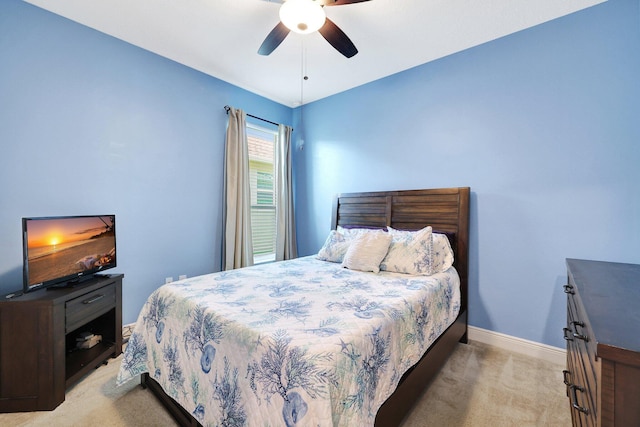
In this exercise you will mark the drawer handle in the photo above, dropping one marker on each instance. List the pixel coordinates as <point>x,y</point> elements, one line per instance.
<point>565,375</point>
<point>92,300</point>
<point>576,334</point>
<point>568,289</point>
<point>574,399</point>
<point>567,331</point>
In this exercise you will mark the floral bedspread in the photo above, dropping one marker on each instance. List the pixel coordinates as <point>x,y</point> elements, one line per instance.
<point>295,343</point>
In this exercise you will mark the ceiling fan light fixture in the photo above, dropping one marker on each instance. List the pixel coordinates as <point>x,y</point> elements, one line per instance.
<point>302,16</point>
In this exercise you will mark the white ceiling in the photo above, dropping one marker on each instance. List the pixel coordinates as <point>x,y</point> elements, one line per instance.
<point>221,37</point>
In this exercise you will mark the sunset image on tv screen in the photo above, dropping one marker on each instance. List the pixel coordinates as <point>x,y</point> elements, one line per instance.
<point>62,247</point>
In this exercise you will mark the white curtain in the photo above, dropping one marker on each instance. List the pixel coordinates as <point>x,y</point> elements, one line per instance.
<point>237,245</point>
<point>285,223</point>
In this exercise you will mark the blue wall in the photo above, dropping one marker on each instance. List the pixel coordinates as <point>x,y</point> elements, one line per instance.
<point>92,125</point>
<point>543,125</point>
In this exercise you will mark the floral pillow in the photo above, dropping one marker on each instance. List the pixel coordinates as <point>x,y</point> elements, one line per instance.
<point>442,253</point>
<point>351,233</point>
<point>338,242</point>
<point>334,247</point>
<point>367,250</point>
<point>410,252</point>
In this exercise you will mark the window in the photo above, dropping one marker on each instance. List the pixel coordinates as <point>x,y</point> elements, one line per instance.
<point>263,197</point>
<point>264,188</point>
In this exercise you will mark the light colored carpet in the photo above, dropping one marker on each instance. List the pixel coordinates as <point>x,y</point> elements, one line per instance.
<point>479,386</point>
<point>485,386</point>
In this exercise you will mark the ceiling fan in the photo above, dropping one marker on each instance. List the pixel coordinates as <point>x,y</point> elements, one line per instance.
<point>307,16</point>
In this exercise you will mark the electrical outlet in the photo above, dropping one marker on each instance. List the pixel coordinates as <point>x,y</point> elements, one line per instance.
<point>182,277</point>
<point>168,280</point>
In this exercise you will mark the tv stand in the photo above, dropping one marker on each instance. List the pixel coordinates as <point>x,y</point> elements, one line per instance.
<point>38,330</point>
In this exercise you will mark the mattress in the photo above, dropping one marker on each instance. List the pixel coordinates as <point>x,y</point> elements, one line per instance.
<point>294,343</point>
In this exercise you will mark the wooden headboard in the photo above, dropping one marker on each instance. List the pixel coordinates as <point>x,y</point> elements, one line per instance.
<point>444,209</point>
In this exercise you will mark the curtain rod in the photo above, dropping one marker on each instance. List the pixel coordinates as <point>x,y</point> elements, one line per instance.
<point>227,108</point>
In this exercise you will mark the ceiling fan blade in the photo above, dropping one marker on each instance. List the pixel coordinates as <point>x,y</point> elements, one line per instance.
<point>338,39</point>
<point>341,2</point>
<point>273,39</point>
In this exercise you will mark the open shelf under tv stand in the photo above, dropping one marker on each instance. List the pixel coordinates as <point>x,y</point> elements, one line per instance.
<point>38,331</point>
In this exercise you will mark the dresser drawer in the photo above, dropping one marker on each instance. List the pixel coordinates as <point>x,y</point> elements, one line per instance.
<point>582,328</point>
<point>580,382</point>
<point>581,390</point>
<point>89,306</point>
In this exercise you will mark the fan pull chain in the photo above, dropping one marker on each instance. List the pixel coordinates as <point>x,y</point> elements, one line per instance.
<point>303,66</point>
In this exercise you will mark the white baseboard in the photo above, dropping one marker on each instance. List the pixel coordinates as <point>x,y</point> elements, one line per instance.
<point>518,345</point>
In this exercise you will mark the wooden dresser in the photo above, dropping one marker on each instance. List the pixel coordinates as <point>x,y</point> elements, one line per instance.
<point>603,343</point>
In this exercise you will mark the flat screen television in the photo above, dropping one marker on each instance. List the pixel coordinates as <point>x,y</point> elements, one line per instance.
<point>64,250</point>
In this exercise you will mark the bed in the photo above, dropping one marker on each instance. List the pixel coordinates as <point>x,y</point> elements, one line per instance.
<point>333,346</point>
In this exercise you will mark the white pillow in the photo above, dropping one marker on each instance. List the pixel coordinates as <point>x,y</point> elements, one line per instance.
<point>367,250</point>
<point>334,247</point>
<point>442,253</point>
<point>410,252</point>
